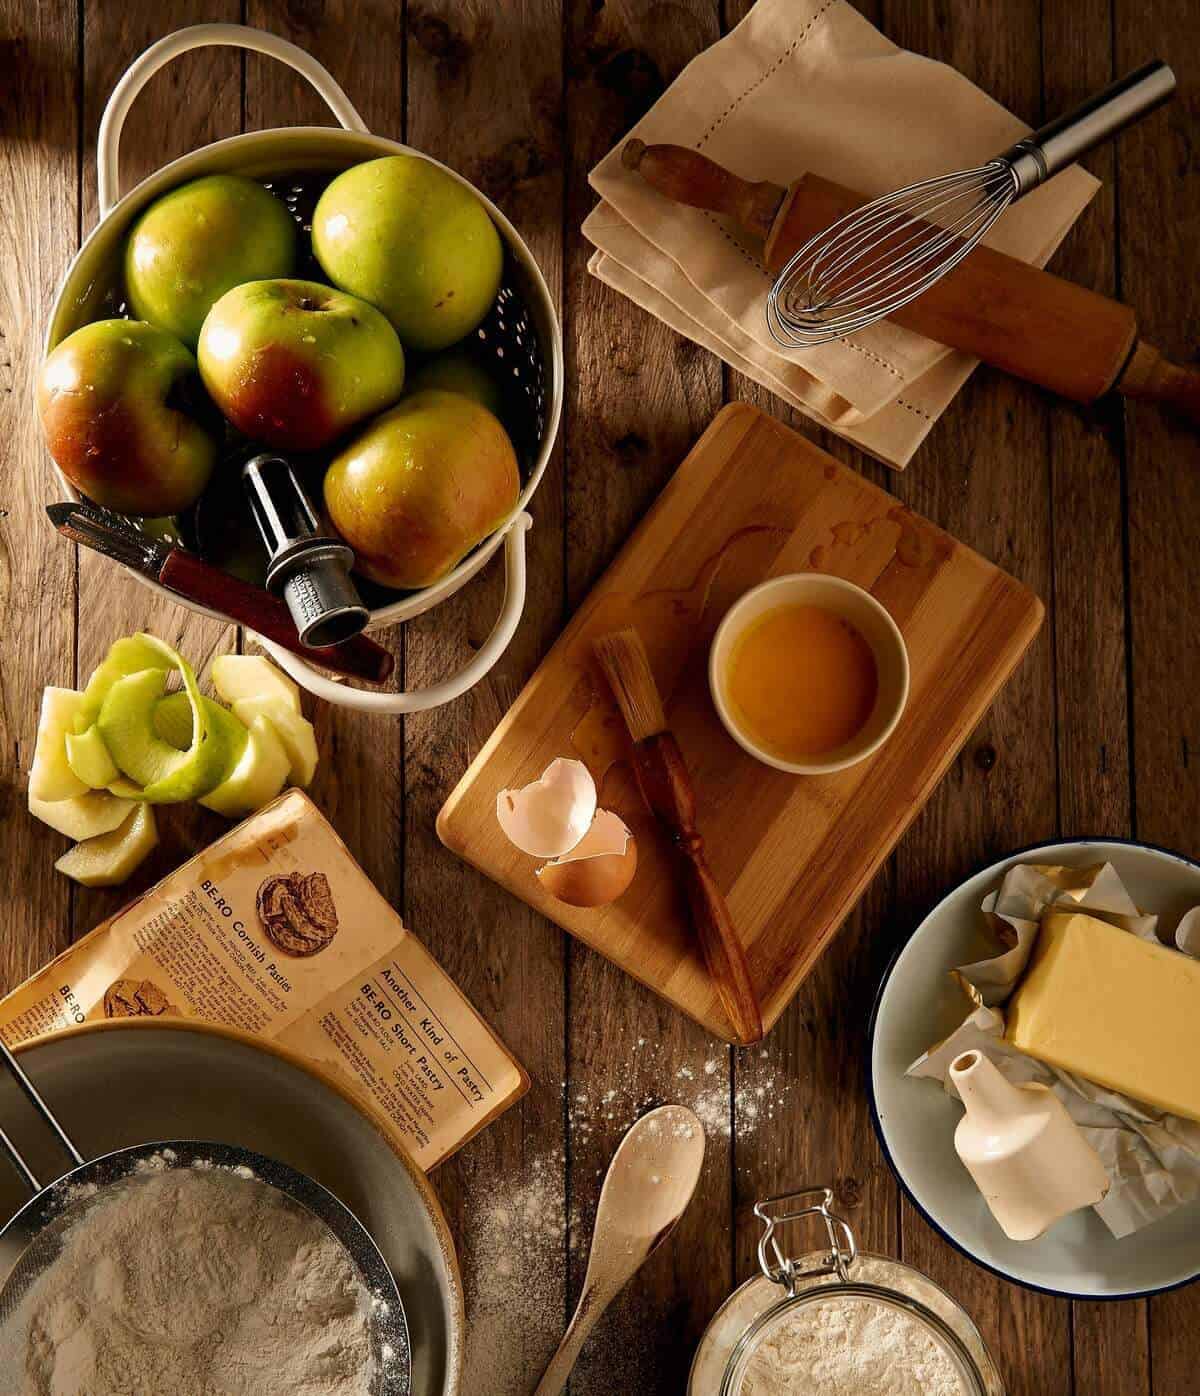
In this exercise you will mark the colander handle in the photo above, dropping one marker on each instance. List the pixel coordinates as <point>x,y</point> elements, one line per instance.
<point>141,70</point>
<point>433,697</point>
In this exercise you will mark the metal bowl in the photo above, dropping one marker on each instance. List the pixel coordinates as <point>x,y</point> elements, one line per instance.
<point>121,1082</point>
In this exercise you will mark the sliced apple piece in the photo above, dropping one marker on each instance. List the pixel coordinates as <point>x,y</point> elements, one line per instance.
<point>82,816</point>
<point>166,774</point>
<point>88,757</point>
<point>257,778</point>
<point>50,776</point>
<point>236,676</point>
<point>106,861</point>
<point>295,732</point>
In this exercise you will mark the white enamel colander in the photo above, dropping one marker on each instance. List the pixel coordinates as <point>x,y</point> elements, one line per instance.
<point>267,154</point>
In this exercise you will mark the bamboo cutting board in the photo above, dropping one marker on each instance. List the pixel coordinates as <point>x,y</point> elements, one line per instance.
<point>791,853</point>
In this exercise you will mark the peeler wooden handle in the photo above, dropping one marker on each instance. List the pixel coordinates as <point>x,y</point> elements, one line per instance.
<point>356,658</point>
<point>667,789</point>
<point>1014,316</point>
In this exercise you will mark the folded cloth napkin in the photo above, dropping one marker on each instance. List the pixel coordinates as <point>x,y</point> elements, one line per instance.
<point>811,86</point>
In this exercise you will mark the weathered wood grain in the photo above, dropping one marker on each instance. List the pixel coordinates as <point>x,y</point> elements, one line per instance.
<point>1158,200</point>
<point>39,134</point>
<point>638,396</point>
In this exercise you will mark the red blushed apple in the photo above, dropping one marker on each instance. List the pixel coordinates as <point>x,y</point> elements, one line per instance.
<point>112,398</point>
<point>295,364</point>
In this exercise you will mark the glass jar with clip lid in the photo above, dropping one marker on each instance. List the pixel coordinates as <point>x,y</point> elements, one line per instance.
<point>837,1320</point>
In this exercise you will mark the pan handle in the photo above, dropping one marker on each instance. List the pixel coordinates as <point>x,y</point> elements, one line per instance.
<point>141,70</point>
<point>470,674</point>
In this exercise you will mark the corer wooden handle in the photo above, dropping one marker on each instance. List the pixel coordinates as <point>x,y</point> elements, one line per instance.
<point>356,658</point>
<point>667,790</point>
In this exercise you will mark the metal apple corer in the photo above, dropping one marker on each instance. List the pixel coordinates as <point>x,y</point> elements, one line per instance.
<point>31,1240</point>
<point>519,340</point>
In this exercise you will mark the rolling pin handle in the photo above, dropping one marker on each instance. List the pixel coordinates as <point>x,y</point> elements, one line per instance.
<point>1150,376</point>
<point>690,178</point>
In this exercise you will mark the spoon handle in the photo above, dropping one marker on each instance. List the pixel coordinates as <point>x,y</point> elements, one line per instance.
<point>587,1314</point>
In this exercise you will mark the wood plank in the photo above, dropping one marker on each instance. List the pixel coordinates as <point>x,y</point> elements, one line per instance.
<point>40,118</point>
<point>639,396</point>
<point>485,90</point>
<point>1110,1341</point>
<point>812,1066</point>
<point>983,474</point>
<point>165,122</point>
<point>1158,204</point>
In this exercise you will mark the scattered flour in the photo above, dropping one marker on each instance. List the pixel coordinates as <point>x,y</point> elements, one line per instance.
<point>850,1347</point>
<point>193,1280</point>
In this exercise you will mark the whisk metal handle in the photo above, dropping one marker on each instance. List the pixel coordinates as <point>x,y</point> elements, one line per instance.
<point>33,1095</point>
<point>1053,147</point>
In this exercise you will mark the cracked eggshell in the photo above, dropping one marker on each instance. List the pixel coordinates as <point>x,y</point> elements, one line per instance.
<point>548,817</point>
<point>598,869</point>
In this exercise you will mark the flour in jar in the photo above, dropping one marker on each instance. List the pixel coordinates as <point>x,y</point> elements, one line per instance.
<point>196,1280</point>
<point>849,1347</point>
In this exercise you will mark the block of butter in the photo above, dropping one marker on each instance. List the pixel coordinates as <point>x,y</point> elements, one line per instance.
<point>1122,1012</point>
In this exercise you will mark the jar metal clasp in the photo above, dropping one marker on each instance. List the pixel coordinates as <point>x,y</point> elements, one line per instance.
<point>776,1212</point>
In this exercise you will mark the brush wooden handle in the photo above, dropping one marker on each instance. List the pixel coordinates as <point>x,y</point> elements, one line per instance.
<point>1011,315</point>
<point>667,789</point>
<point>356,658</point>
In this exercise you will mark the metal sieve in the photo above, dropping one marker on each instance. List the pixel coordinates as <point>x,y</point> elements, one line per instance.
<point>32,1239</point>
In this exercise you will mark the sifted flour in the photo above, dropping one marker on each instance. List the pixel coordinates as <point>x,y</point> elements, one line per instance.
<point>193,1280</point>
<point>850,1347</point>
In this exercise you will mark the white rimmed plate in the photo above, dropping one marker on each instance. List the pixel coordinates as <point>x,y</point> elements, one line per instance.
<point>918,1004</point>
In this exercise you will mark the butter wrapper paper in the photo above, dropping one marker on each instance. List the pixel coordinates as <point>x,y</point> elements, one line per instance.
<point>1153,1158</point>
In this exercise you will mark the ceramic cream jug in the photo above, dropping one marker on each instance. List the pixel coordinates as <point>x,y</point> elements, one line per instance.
<point>1025,1153</point>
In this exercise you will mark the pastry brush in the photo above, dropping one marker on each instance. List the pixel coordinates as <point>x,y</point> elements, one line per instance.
<point>666,787</point>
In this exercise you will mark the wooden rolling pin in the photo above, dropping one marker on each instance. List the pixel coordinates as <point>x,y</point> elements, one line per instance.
<point>1028,322</point>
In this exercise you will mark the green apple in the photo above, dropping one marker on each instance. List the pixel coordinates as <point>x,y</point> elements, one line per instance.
<point>458,371</point>
<point>88,757</point>
<point>237,676</point>
<point>165,773</point>
<point>117,402</point>
<point>108,859</point>
<point>296,364</point>
<point>421,486</point>
<point>83,816</point>
<point>199,241</point>
<point>125,656</point>
<point>295,732</point>
<point>258,777</point>
<point>407,236</point>
<point>50,775</point>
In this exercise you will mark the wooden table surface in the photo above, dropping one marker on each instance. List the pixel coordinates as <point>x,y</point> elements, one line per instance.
<point>1098,511</point>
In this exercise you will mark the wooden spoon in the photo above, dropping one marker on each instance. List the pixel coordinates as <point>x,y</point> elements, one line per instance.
<point>648,1186</point>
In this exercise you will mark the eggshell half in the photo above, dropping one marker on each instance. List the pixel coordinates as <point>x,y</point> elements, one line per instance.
<point>598,869</point>
<point>550,816</point>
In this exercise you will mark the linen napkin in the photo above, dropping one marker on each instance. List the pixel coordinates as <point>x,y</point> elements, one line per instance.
<point>811,86</point>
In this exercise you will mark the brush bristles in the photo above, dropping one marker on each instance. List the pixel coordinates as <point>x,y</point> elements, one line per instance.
<point>626,666</point>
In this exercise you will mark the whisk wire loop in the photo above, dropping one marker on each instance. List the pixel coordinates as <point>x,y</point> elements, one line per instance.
<point>877,258</point>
